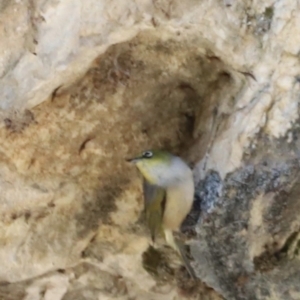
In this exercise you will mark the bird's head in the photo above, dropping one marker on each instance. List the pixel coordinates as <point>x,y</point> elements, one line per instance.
<point>160,167</point>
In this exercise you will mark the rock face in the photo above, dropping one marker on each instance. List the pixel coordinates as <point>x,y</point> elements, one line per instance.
<point>86,84</point>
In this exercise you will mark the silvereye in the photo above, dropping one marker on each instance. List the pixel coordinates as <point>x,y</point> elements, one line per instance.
<point>168,193</point>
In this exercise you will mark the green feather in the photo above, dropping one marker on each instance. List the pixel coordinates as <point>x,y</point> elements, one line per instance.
<point>155,198</point>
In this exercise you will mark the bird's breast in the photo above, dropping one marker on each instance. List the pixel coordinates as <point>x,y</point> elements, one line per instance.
<point>178,204</point>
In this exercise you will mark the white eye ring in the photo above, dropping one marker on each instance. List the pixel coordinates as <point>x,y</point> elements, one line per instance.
<point>147,154</point>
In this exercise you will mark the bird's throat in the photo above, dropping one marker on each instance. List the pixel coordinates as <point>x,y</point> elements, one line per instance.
<point>146,173</point>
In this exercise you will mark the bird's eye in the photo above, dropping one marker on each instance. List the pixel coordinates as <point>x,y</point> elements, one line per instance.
<point>147,154</point>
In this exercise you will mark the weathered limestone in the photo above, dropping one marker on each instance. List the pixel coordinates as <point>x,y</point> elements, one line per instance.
<point>85,84</point>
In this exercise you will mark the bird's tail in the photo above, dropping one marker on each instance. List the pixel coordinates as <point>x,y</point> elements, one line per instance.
<point>178,246</point>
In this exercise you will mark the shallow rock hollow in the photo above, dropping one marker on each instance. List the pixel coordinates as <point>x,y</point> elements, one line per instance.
<point>86,84</point>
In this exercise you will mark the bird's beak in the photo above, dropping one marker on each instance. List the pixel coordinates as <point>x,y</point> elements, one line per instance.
<point>132,160</point>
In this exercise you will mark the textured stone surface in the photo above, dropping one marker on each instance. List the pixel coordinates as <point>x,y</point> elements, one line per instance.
<point>85,84</point>
<point>249,243</point>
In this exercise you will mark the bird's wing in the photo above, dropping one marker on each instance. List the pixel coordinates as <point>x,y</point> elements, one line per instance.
<point>155,199</point>
<point>150,191</point>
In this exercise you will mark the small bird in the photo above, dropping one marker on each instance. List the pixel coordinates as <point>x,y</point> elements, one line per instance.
<point>168,193</point>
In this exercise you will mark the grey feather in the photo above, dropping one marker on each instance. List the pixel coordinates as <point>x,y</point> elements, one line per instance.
<point>149,192</point>
<point>155,198</point>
